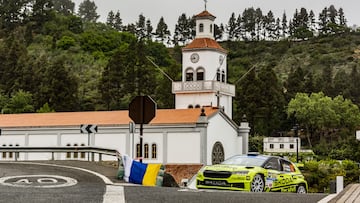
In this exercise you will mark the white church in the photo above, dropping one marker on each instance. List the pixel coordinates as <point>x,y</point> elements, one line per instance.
<point>200,129</point>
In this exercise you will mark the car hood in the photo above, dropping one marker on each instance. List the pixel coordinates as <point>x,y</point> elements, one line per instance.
<point>223,167</point>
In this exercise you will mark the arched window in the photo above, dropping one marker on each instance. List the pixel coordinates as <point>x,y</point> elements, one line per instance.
<point>217,154</point>
<point>197,106</point>
<point>222,76</point>
<point>68,154</point>
<point>189,74</point>
<point>153,151</point>
<point>218,75</point>
<point>200,74</point>
<point>146,151</point>
<point>201,27</point>
<point>82,155</point>
<point>10,153</point>
<point>4,153</point>
<point>211,28</point>
<point>75,153</point>
<point>190,106</point>
<point>138,150</point>
<point>17,154</point>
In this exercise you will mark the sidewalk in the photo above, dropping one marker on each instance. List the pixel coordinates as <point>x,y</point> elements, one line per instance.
<point>351,194</point>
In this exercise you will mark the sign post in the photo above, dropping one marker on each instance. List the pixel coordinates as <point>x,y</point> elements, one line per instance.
<point>88,129</point>
<point>142,110</point>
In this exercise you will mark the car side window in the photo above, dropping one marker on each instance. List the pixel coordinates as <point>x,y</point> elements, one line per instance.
<point>273,164</point>
<point>287,166</point>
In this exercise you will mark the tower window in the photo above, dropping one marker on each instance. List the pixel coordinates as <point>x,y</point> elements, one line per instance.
<point>189,75</point>
<point>190,106</point>
<point>223,76</point>
<point>218,75</point>
<point>211,28</point>
<point>201,27</point>
<point>200,74</point>
<point>197,106</point>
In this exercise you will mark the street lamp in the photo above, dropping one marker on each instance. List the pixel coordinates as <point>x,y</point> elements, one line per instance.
<point>296,128</point>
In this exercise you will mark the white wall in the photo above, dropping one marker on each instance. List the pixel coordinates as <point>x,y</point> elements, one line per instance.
<point>220,130</point>
<point>183,148</point>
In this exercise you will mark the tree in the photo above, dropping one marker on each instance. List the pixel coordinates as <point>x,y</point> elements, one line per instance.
<point>184,30</point>
<point>320,115</point>
<point>231,27</point>
<point>41,13</point>
<point>65,7</point>
<point>12,14</point>
<point>114,20</point>
<point>59,87</point>
<point>87,11</point>
<point>162,32</point>
<point>140,28</point>
<point>20,102</point>
<point>127,75</point>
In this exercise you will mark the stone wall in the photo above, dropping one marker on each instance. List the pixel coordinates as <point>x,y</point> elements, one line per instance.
<point>182,171</point>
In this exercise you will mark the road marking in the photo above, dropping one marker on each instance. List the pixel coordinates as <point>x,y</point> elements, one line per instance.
<point>114,193</point>
<point>38,181</point>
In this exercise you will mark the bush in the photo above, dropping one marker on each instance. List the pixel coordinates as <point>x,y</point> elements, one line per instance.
<point>319,173</point>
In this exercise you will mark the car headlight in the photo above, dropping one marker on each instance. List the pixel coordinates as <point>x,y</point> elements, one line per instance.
<point>242,173</point>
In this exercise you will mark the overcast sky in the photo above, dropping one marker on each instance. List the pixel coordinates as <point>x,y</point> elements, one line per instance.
<point>222,9</point>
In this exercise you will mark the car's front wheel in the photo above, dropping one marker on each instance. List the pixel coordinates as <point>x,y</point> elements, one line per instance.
<point>257,184</point>
<point>301,189</point>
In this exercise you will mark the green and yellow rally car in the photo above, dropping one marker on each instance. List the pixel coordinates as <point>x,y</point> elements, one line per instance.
<point>253,172</point>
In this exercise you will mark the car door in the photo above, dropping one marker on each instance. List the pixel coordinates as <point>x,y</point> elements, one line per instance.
<point>274,179</point>
<point>287,172</point>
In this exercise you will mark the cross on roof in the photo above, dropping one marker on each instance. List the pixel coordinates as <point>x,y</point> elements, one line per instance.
<point>205,4</point>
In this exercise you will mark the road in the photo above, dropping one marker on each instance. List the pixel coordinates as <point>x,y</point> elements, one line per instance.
<point>27,183</point>
<point>41,183</point>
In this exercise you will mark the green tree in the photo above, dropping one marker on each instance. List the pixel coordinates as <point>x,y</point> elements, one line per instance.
<point>20,102</point>
<point>12,14</point>
<point>127,75</point>
<point>231,27</point>
<point>162,33</point>
<point>65,7</point>
<point>183,30</point>
<point>87,11</point>
<point>59,87</point>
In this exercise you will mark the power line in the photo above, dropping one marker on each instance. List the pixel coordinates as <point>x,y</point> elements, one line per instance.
<point>148,58</point>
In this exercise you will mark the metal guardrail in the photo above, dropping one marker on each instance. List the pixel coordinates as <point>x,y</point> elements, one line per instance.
<point>53,150</point>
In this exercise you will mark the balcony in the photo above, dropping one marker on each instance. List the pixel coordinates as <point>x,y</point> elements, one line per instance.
<point>203,86</point>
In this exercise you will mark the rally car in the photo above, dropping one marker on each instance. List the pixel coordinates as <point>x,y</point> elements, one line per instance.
<point>253,173</point>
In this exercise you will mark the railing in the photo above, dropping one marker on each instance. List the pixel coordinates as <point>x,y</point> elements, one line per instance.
<point>205,86</point>
<point>53,150</point>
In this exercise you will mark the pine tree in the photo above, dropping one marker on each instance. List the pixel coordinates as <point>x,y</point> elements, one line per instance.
<point>162,32</point>
<point>87,11</point>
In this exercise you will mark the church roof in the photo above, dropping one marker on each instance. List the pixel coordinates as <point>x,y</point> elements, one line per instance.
<point>203,43</point>
<point>163,116</point>
<point>205,14</point>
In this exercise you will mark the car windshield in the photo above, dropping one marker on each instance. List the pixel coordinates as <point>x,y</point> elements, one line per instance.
<point>245,160</point>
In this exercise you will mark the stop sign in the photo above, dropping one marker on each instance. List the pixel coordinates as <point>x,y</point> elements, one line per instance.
<point>142,109</point>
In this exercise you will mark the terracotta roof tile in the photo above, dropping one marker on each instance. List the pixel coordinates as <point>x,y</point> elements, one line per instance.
<point>204,43</point>
<point>205,14</point>
<point>163,116</point>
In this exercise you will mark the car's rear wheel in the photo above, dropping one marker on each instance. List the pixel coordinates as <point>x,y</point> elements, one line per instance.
<point>301,189</point>
<point>257,184</point>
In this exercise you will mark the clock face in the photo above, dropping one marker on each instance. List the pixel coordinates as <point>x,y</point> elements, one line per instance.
<point>194,57</point>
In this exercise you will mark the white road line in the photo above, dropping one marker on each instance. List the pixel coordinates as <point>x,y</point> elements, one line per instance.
<point>113,193</point>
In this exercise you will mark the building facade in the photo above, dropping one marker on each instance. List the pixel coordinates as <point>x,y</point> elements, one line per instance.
<point>198,131</point>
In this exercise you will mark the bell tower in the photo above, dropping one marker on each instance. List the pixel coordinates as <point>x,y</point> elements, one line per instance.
<point>204,71</point>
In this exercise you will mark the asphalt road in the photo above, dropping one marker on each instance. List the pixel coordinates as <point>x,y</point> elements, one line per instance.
<point>30,183</point>
<point>40,183</point>
<point>175,195</point>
